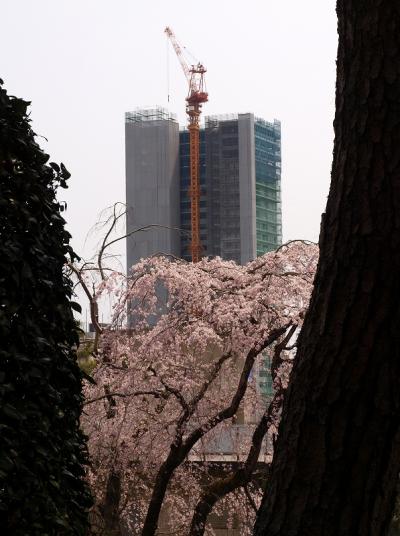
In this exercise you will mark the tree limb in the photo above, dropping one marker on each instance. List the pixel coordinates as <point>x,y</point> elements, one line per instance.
<point>175,392</point>
<point>156,394</point>
<point>180,449</point>
<point>250,498</point>
<point>230,410</point>
<point>94,311</point>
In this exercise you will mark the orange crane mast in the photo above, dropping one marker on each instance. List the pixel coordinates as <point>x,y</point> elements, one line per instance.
<point>196,97</point>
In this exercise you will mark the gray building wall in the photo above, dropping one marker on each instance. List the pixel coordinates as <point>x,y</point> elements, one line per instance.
<point>152,183</point>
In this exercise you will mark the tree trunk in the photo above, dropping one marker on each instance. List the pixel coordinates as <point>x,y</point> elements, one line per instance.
<point>220,487</point>
<point>203,509</point>
<point>164,475</point>
<point>111,505</point>
<point>180,449</point>
<point>338,453</point>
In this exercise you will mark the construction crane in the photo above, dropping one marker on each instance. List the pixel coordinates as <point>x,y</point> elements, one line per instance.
<point>197,95</point>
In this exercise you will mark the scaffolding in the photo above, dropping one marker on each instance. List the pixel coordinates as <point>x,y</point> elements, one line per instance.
<point>158,113</point>
<point>267,139</point>
<point>213,120</point>
<point>220,205</point>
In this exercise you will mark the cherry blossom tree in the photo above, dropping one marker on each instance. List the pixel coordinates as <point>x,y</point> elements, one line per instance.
<point>176,422</point>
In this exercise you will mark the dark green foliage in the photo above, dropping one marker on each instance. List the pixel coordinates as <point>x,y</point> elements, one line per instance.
<point>42,451</point>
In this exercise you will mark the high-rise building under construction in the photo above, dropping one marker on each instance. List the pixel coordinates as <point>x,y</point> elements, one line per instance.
<point>240,186</point>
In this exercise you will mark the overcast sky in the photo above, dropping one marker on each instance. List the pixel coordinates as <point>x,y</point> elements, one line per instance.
<point>83,63</point>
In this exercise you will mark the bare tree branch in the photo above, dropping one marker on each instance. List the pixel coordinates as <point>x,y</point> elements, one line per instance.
<point>230,410</point>
<point>156,394</point>
<point>279,348</point>
<point>192,405</point>
<point>94,311</point>
<point>181,448</point>
<point>250,498</point>
<point>104,244</point>
<point>175,392</point>
<point>242,476</point>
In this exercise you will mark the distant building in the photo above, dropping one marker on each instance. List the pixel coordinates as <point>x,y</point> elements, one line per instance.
<point>152,183</point>
<point>240,179</point>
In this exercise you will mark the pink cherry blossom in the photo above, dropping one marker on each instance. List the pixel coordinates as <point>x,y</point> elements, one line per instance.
<point>177,398</point>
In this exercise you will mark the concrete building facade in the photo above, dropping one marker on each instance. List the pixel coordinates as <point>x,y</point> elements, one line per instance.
<point>152,183</point>
<point>240,179</point>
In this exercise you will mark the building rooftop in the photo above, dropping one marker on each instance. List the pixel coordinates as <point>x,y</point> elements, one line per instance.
<point>155,113</point>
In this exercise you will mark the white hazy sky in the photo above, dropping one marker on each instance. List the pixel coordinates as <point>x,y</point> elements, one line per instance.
<point>83,63</point>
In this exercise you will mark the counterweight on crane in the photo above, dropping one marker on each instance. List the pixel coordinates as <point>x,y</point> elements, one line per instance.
<point>196,96</point>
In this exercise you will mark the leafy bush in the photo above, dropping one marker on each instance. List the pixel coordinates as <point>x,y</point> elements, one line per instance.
<point>42,450</point>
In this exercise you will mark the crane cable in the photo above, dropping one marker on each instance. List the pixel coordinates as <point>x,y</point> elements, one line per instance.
<point>167,43</point>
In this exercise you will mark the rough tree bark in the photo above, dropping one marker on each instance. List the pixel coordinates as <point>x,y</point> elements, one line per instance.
<point>338,453</point>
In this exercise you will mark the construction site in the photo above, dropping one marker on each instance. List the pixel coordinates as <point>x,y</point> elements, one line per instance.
<point>213,187</point>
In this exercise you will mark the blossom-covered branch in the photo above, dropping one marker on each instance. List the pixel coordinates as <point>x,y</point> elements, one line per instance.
<point>182,364</point>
